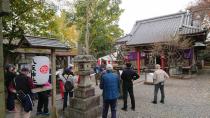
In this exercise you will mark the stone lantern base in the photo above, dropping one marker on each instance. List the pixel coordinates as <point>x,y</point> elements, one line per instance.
<point>85,104</point>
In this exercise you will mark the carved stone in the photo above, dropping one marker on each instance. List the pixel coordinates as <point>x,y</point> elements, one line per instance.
<point>91,113</point>
<point>84,92</point>
<point>85,103</point>
<point>84,81</point>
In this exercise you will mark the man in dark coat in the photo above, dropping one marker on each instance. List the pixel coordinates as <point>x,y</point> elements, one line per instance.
<point>128,75</point>
<point>9,77</point>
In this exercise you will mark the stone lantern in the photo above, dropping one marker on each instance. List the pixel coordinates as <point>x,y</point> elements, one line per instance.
<point>84,104</point>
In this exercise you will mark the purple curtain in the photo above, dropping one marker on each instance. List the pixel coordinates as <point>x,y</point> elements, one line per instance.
<point>188,53</point>
<point>133,55</point>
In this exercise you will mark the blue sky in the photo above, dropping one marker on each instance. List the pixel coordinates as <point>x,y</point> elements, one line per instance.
<point>143,9</point>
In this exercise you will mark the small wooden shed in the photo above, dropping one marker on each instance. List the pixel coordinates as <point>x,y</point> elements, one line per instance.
<point>31,46</point>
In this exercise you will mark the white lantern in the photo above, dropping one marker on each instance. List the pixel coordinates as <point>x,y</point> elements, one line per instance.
<point>40,70</point>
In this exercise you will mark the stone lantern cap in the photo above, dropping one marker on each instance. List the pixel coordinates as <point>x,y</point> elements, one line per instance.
<point>84,58</point>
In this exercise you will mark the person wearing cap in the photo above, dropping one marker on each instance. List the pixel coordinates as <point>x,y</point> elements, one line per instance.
<point>159,78</point>
<point>110,84</point>
<point>128,76</point>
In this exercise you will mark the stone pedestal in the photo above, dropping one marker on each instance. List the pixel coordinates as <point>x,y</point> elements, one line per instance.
<point>84,104</point>
<point>84,92</point>
<point>85,108</point>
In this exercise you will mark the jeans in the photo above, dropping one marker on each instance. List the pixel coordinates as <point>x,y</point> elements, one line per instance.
<point>10,101</point>
<point>126,90</point>
<point>112,104</point>
<point>43,101</point>
<point>65,100</point>
<point>161,87</point>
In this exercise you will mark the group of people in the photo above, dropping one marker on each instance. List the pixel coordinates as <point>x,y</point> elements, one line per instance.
<point>19,85</point>
<point>110,84</point>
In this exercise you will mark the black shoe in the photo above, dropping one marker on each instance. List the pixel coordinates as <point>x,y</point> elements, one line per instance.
<point>46,113</point>
<point>154,102</point>
<point>124,109</point>
<point>39,113</point>
<point>162,101</point>
<point>133,109</point>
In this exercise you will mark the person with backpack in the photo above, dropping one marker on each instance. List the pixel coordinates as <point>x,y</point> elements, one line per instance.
<point>22,86</point>
<point>68,79</point>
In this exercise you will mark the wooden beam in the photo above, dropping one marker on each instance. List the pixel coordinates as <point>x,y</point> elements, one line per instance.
<point>2,92</point>
<point>60,52</point>
<point>66,53</point>
<point>162,59</point>
<point>32,50</point>
<point>53,80</point>
<point>138,60</point>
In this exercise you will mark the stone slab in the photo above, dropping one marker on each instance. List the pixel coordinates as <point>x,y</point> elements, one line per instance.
<point>85,104</point>
<point>91,113</point>
<point>84,92</point>
<point>84,81</point>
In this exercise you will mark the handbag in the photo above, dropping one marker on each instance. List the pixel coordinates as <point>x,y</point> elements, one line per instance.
<point>20,95</point>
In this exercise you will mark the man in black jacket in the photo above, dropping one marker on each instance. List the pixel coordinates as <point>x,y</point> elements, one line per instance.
<point>128,75</point>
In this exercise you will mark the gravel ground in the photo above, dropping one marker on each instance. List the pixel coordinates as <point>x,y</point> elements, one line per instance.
<point>185,98</point>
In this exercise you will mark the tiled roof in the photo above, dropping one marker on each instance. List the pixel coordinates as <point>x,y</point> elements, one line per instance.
<point>157,29</point>
<point>45,42</point>
<point>160,29</point>
<point>124,39</point>
<point>189,30</point>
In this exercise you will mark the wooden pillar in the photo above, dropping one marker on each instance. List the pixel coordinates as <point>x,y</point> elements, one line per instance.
<point>162,59</point>
<point>138,60</point>
<point>4,10</point>
<point>53,80</point>
<point>2,92</point>
<point>193,56</point>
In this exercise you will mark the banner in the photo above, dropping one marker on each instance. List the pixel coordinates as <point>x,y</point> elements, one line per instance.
<point>40,70</point>
<point>133,55</point>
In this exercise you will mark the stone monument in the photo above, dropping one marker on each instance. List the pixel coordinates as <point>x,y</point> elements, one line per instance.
<point>85,104</point>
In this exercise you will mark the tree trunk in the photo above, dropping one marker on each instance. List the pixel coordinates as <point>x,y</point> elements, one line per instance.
<point>87,30</point>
